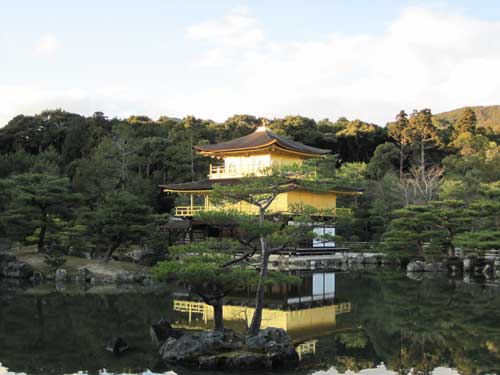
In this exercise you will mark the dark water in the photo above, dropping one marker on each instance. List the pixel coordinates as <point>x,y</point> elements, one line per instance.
<point>340,322</point>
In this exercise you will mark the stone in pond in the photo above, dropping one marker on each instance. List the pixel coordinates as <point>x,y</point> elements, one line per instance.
<point>117,345</point>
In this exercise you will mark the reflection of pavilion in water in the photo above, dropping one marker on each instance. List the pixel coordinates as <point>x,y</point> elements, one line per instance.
<point>305,311</point>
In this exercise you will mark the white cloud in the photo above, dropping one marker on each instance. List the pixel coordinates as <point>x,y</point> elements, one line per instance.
<point>228,36</point>
<point>425,58</point>
<point>116,101</point>
<point>47,44</point>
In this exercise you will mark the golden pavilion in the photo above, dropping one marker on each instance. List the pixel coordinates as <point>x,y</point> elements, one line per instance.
<point>253,155</point>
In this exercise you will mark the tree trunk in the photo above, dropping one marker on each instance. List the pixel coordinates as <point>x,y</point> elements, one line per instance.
<point>422,157</point>
<point>43,232</point>
<point>191,155</point>
<point>420,249</point>
<point>218,314</point>
<point>259,298</point>
<point>401,156</point>
<point>110,252</point>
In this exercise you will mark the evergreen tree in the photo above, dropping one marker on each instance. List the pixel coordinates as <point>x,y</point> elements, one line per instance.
<point>206,267</point>
<point>383,160</point>
<point>120,219</point>
<point>466,122</point>
<point>399,131</point>
<point>423,132</point>
<point>36,201</point>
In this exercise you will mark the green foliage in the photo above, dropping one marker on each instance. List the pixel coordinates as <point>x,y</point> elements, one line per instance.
<point>383,197</point>
<point>467,121</point>
<point>384,160</point>
<point>481,166</point>
<point>37,202</point>
<point>121,219</point>
<point>351,174</point>
<point>423,133</point>
<point>206,267</point>
<point>487,117</point>
<point>97,157</point>
<point>453,189</point>
<point>205,275</point>
<point>414,230</point>
<point>480,240</point>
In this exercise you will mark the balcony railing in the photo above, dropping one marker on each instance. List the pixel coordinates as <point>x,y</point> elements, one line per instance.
<point>223,172</point>
<point>188,211</point>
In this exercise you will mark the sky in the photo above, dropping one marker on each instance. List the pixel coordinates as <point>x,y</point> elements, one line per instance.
<point>213,59</point>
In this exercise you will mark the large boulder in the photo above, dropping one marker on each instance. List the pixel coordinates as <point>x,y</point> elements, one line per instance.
<point>272,347</point>
<point>246,361</point>
<point>277,335</point>
<point>416,266</point>
<point>435,267</point>
<point>469,264</point>
<point>496,263</point>
<point>117,345</point>
<point>61,275</point>
<point>188,348</point>
<point>162,331</point>
<point>488,270</point>
<point>279,347</point>
<point>257,343</point>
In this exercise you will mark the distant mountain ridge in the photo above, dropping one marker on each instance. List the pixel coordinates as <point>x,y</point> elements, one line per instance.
<point>487,116</point>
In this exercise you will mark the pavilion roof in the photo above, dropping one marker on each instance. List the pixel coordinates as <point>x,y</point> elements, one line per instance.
<point>261,138</point>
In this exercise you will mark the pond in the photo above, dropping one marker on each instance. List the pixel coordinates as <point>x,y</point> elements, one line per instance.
<point>341,322</point>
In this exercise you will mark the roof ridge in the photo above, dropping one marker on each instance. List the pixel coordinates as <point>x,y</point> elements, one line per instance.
<point>256,140</point>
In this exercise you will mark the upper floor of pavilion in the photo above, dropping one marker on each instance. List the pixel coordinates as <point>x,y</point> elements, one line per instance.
<point>255,153</point>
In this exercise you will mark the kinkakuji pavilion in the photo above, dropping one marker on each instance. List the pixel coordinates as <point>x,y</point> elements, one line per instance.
<point>253,155</point>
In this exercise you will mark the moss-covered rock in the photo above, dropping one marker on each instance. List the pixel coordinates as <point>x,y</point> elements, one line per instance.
<point>271,348</point>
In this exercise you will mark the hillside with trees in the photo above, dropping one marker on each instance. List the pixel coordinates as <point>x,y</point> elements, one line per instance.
<point>487,116</point>
<point>89,185</point>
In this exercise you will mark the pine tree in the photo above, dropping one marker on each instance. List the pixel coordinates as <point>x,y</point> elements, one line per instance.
<point>422,132</point>
<point>467,121</point>
<point>36,200</point>
<point>399,131</point>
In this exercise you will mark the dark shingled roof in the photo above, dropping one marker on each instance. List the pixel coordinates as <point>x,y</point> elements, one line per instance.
<point>208,184</point>
<point>261,138</point>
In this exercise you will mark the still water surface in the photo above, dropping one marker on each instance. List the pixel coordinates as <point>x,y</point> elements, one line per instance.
<point>355,323</point>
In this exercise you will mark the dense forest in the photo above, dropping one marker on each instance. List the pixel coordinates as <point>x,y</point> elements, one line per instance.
<point>90,184</point>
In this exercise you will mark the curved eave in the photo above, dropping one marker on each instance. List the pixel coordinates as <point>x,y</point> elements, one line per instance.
<point>203,150</point>
<point>185,191</point>
<point>207,191</point>
<point>267,147</point>
<point>343,192</point>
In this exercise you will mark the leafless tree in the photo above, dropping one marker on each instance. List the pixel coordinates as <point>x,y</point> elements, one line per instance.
<point>421,185</point>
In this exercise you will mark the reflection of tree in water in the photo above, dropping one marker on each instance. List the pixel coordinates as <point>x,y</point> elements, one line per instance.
<point>47,332</point>
<point>426,324</point>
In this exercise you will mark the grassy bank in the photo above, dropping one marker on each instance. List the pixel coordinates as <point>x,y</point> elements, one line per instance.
<point>98,268</point>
